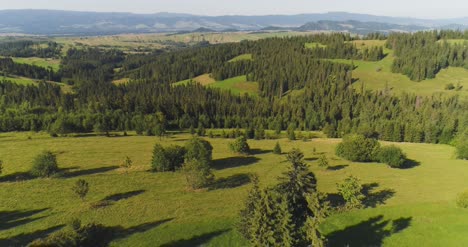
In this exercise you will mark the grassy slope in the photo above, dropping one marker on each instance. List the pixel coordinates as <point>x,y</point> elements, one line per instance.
<point>18,80</point>
<point>204,79</point>
<point>41,62</point>
<point>313,45</point>
<point>423,195</point>
<point>242,57</point>
<point>237,85</point>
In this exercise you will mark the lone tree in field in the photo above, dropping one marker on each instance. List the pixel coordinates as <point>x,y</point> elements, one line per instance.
<point>197,174</point>
<point>240,146</point>
<point>81,188</point>
<point>392,156</point>
<point>44,165</point>
<point>277,148</point>
<point>351,191</point>
<point>200,150</point>
<point>323,161</point>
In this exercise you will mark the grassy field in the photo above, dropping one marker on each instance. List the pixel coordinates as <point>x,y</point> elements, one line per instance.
<point>41,62</point>
<point>237,85</point>
<point>158,210</point>
<point>241,58</point>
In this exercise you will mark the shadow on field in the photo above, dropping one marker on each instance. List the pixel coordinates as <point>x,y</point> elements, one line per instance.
<point>11,219</point>
<point>257,151</point>
<point>89,171</point>
<point>371,232</point>
<point>233,162</point>
<point>196,240</point>
<point>122,196</point>
<point>409,163</point>
<point>337,168</point>
<point>375,198</point>
<point>26,238</point>
<point>119,232</point>
<point>16,177</point>
<point>231,182</point>
<point>311,159</point>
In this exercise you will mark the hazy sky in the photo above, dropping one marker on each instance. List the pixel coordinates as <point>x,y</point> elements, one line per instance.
<point>408,8</point>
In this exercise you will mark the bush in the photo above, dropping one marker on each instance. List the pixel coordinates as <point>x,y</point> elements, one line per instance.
<point>323,161</point>
<point>199,149</point>
<point>240,146</point>
<point>277,149</point>
<point>81,188</point>
<point>461,143</point>
<point>126,163</point>
<point>358,148</point>
<point>392,156</point>
<point>44,165</point>
<point>462,199</point>
<point>167,159</point>
<point>197,173</point>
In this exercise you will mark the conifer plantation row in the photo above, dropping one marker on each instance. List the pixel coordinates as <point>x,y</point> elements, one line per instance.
<point>299,89</point>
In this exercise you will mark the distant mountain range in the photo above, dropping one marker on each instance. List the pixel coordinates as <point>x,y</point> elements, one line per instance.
<point>54,22</point>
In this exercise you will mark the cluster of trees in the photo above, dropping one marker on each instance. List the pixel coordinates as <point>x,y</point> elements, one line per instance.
<point>288,214</point>
<point>359,148</point>
<point>421,55</point>
<point>193,161</point>
<point>29,48</point>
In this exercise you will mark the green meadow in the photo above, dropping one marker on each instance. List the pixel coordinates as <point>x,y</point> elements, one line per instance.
<point>404,206</point>
<point>41,62</point>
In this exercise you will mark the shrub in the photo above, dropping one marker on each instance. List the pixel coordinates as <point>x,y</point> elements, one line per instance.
<point>199,149</point>
<point>461,143</point>
<point>449,86</point>
<point>323,161</point>
<point>167,159</point>
<point>81,188</point>
<point>351,191</point>
<point>197,174</point>
<point>462,199</point>
<point>44,165</point>
<point>277,149</point>
<point>126,163</point>
<point>358,148</point>
<point>240,146</point>
<point>392,156</point>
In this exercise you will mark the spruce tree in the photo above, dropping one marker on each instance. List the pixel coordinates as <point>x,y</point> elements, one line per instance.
<point>277,148</point>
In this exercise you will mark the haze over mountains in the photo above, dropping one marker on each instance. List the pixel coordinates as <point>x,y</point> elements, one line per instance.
<point>54,22</point>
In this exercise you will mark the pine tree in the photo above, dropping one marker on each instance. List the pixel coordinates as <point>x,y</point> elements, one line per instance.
<point>251,203</point>
<point>277,148</point>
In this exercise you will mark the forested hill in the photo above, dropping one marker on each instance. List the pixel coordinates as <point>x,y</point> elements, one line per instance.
<point>51,22</point>
<point>300,87</point>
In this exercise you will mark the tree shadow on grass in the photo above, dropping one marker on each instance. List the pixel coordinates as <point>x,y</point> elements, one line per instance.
<point>409,163</point>
<point>258,151</point>
<point>375,198</point>
<point>233,162</point>
<point>311,159</point>
<point>230,182</point>
<point>11,219</point>
<point>120,232</point>
<point>93,171</point>
<point>196,240</point>
<point>122,196</point>
<point>337,168</point>
<point>371,232</point>
<point>17,177</point>
<point>26,238</point>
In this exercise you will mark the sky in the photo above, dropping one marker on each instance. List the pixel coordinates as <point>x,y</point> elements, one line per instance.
<point>400,8</point>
